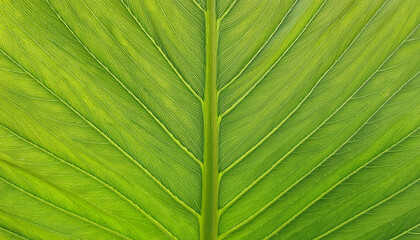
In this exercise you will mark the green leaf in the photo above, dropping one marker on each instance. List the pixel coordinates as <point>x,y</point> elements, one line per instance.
<point>225,119</point>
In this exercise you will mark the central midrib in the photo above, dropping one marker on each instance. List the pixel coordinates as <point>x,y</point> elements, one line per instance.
<point>210,173</point>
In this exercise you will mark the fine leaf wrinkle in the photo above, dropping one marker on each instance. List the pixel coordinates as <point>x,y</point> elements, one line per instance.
<point>209,119</point>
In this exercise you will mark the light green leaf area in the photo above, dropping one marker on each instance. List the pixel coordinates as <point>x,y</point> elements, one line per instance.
<point>217,119</point>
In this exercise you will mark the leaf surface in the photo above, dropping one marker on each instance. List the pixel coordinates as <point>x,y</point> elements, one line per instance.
<point>228,119</point>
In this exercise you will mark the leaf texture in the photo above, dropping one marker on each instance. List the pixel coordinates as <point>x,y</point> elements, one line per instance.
<point>217,119</point>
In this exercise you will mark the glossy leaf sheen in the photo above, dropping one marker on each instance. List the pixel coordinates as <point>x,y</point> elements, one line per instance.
<point>229,119</point>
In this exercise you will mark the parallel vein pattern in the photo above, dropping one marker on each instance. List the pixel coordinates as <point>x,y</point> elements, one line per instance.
<point>209,119</point>
<point>255,178</point>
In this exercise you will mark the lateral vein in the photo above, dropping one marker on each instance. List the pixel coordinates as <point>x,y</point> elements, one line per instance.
<point>309,172</point>
<point>302,101</point>
<point>337,184</point>
<point>173,196</point>
<point>259,50</point>
<point>97,179</point>
<point>65,210</point>
<point>273,65</point>
<point>326,120</point>
<point>162,53</point>
<point>227,11</point>
<point>405,232</point>
<point>367,210</point>
<point>165,129</point>
<point>13,233</point>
